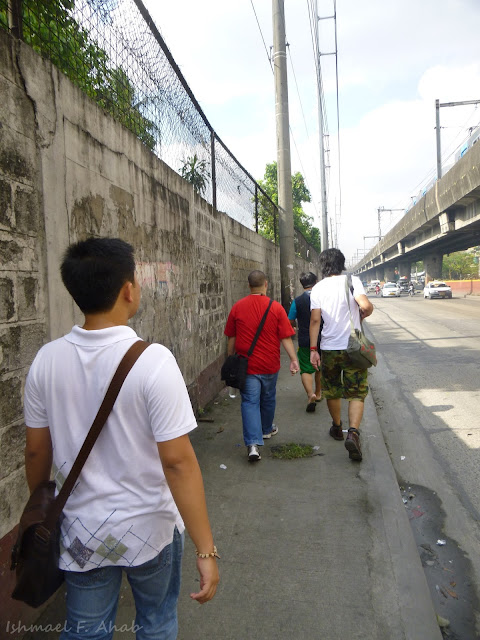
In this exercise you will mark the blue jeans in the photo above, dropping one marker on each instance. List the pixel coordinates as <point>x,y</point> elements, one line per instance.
<point>92,598</point>
<point>258,406</point>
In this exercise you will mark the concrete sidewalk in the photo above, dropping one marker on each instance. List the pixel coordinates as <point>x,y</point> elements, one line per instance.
<point>317,548</point>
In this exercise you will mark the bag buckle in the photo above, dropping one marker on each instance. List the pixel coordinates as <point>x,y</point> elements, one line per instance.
<point>42,533</point>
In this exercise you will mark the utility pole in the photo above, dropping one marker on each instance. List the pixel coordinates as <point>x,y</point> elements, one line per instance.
<point>437,132</point>
<point>321,129</point>
<point>284,169</point>
<point>439,104</point>
<point>369,237</point>
<point>382,210</point>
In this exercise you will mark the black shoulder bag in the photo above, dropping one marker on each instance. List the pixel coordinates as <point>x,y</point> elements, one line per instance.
<point>36,553</point>
<point>234,369</point>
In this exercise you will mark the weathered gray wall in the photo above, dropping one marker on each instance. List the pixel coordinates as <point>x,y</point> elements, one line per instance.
<point>68,171</point>
<point>22,285</point>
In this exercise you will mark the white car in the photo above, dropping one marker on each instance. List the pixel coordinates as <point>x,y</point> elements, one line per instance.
<point>390,289</point>
<point>437,289</point>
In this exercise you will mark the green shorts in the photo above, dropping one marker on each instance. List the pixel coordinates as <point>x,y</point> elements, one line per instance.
<point>306,366</point>
<point>340,379</point>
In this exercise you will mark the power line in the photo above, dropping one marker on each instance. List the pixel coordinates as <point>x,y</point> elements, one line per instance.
<point>263,39</point>
<point>303,170</point>
<point>322,117</point>
<point>301,105</point>
<point>446,155</point>
<point>306,128</point>
<point>338,120</point>
<point>298,92</point>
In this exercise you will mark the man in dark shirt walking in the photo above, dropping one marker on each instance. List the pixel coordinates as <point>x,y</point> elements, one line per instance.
<point>300,311</point>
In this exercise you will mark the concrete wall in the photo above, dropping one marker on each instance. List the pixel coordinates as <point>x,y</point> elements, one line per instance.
<point>68,171</point>
<point>23,321</point>
<point>463,288</point>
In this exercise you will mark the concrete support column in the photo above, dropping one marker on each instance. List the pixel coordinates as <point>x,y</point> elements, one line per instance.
<point>404,268</point>
<point>379,273</point>
<point>432,263</point>
<point>389,273</point>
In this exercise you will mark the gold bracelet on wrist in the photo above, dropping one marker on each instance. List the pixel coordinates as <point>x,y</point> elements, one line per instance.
<point>212,554</point>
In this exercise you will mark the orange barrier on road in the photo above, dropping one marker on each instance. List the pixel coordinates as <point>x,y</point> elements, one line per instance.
<point>464,287</point>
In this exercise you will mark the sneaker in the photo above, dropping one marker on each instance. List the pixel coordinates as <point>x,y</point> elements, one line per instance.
<point>336,431</point>
<point>352,445</point>
<point>253,453</point>
<point>273,432</point>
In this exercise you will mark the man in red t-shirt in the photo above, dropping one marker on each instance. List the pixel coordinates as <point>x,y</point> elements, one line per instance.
<point>259,394</point>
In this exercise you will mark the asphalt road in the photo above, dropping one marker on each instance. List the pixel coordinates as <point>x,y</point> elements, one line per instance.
<point>427,392</point>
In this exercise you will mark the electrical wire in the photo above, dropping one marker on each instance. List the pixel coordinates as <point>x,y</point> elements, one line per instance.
<point>462,128</point>
<point>300,101</point>
<point>261,33</point>
<point>306,128</point>
<point>431,175</point>
<point>301,105</point>
<point>338,123</point>
<point>325,138</point>
<point>298,91</point>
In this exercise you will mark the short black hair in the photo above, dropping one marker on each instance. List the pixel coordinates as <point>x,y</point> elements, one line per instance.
<point>308,279</point>
<point>256,278</point>
<point>331,262</point>
<point>94,271</point>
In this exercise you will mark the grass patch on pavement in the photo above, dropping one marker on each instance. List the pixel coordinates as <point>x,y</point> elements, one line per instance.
<point>292,451</point>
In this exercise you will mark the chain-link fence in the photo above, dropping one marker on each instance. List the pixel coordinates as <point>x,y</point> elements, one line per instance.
<point>114,52</point>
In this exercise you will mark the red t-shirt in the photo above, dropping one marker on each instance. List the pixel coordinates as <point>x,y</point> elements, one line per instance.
<point>243,321</point>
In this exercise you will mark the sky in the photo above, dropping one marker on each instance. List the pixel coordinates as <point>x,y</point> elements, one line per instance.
<point>394,59</point>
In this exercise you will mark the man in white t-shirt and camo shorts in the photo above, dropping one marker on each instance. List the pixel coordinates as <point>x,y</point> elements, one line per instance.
<point>141,481</point>
<point>340,379</point>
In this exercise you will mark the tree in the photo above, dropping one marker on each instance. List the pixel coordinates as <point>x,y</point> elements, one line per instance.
<point>50,29</point>
<point>196,172</point>
<point>301,221</point>
<point>459,265</point>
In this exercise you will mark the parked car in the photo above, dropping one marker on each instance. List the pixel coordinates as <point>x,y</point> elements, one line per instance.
<point>437,289</point>
<point>390,289</point>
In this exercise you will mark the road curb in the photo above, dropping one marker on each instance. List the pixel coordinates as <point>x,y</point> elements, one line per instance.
<point>402,558</point>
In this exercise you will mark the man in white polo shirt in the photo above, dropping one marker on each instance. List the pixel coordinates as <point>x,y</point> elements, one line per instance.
<point>142,480</point>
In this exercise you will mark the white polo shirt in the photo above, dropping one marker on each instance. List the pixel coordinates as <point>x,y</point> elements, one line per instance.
<point>330,296</point>
<point>121,510</point>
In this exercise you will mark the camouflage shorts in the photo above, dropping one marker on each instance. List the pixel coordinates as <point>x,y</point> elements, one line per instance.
<point>340,379</point>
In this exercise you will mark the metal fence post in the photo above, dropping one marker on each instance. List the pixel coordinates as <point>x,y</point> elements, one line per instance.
<point>15,18</point>
<point>256,208</point>
<point>214,172</point>
<point>275,215</point>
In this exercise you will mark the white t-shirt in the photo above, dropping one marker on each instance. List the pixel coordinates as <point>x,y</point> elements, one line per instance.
<point>121,511</point>
<point>329,295</point>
